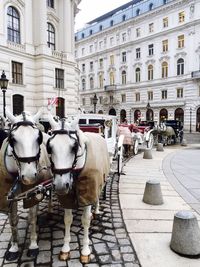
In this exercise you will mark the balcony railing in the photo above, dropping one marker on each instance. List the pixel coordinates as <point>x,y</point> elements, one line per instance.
<point>196,74</point>
<point>109,88</point>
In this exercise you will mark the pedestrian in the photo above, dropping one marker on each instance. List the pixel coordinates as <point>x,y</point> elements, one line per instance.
<point>123,129</point>
<point>181,134</point>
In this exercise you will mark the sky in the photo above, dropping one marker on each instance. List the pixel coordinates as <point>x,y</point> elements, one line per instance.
<point>91,9</point>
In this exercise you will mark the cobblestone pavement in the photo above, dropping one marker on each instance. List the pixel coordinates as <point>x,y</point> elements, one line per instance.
<point>109,241</point>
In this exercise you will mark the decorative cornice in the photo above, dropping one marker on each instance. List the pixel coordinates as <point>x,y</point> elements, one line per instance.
<point>52,17</point>
<point>150,61</point>
<point>164,58</point>
<point>180,54</point>
<point>137,64</point>
<point>123,67</point>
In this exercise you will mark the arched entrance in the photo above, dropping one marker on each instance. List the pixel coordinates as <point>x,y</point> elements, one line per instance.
<point>198,120</point>
<point>137,115</point>
<point>60,109</point>
<point>179,114</point>
<point>100,112</point>
<point>149,114</point>
<point>18,104</point>
<point>163,114</point>
<point>112,111</point>
<point>122,115</point>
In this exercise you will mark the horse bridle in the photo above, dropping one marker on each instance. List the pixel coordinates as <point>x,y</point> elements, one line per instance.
<point>76,156</point>
<point>11,142</point>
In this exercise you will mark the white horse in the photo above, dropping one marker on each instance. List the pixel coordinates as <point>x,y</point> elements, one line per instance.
<point>24,164</point>
<point>80,164</point>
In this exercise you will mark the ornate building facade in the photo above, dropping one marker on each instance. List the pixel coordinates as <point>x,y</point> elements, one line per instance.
<point>37,54</point>
<point>142,60</point>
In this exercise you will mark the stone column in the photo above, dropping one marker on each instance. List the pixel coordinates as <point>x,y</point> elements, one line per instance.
<point>67,26</point>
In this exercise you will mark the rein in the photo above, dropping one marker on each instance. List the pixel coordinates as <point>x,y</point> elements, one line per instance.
<point>73,168</point>
<point>11,142</point>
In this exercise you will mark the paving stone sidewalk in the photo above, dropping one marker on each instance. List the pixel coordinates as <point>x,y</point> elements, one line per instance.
<point>109,241</point>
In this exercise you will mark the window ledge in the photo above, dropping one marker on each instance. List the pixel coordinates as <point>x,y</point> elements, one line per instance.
<point>60,89</point>
<point>17,84</point>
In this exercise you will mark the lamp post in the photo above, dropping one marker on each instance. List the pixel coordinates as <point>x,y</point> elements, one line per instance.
<point>190,120</point>
<point>94,101</point>
<point>147,114</point>
<point>4,85</point>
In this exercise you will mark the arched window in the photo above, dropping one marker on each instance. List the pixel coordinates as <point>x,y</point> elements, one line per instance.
<point>137,75</point>
<point>124,17</point>
<point>150,72</point>
<point>60,109</point>
<point>82,35</point>
<point>13,25</point>
<point>164,70</point>
<point>91,83</point>
<point>18,104</point>
<point>111,23</point>
<point>112,78</point>
<point>83,84</point>
<point>150,6</point>
<point>180,66</point>
<point>100,27</point>
<point>51,36</point>
<point>138,12</point>
<point>123,77</point>
<point>91,32</point>
<point>100,80</point>
<point>163,114</point>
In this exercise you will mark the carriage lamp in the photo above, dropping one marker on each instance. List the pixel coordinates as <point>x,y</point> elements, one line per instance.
<point>4,85</point>
<point>148,106</point>
<point>94,101</point>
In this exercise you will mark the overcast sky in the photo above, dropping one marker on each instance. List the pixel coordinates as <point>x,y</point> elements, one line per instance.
<point>91,9</point>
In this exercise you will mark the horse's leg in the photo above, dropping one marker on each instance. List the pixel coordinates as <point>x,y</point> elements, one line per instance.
<point>50,202</point>
<point>96,210</point>
<point>86,218</point>
<point>13,252</point>
<point>65,251</point>
<point>33,247</point>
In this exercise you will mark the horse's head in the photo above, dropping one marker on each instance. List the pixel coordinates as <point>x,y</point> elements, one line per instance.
<point>67,151</point>
<point>24,140</point>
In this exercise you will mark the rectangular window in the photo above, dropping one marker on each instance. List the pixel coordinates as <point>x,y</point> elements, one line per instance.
<point>151,27</point>
<point>123,97</point>
<point>91,101</point>
<point>50,3</point>
<point>164,94</point>
<point>100,100</point>
<point>123,37</point>
<point>181,41</point>
<point>83,101</point>
<point>112,60</point>
<point>59,79</point>
<point>17,75</point>
<point>150,95</point>
<point>111,41</point>
<point>138,32</point>
<point>123,57</point>
<point>83,51</point>
<point>91,66</point>
<point>101,45</point>
<point>181,17</point>
<point>137,97</point>
<point>83,67</point>
<point>150,49</point>
<point>101,63</point>
<point>165,45</point>
<point>179,92</point>
<point>138,53</point>
<point>91,48</point>
<point>165,22</point>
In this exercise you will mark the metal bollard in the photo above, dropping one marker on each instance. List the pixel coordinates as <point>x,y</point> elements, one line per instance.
<point>152,193</point>
<point>159,147</point>
<point>147,154</point>
<point>185,238</point>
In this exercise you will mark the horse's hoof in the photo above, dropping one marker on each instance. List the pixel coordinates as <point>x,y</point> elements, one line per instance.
<point>32,253</point>
<point>11,256</point>
<point>85,259</point>
<point>64,256</point>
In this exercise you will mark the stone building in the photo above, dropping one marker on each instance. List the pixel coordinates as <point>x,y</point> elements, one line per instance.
<point>37,54</point>
<point>142,60</point>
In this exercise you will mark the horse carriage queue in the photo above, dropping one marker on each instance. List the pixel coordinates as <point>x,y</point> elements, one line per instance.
<point>71,162</point>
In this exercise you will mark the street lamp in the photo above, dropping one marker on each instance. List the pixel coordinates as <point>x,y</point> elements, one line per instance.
<point>94,101</point>
<point>190,120</point>
<point>147,113</point>
<point>4,85</point>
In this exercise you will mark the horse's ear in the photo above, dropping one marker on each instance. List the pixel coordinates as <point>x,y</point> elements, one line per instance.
<point>75,123</point>
<point>10,116</point>
<point>53,123</point>
<point>37,115</point>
